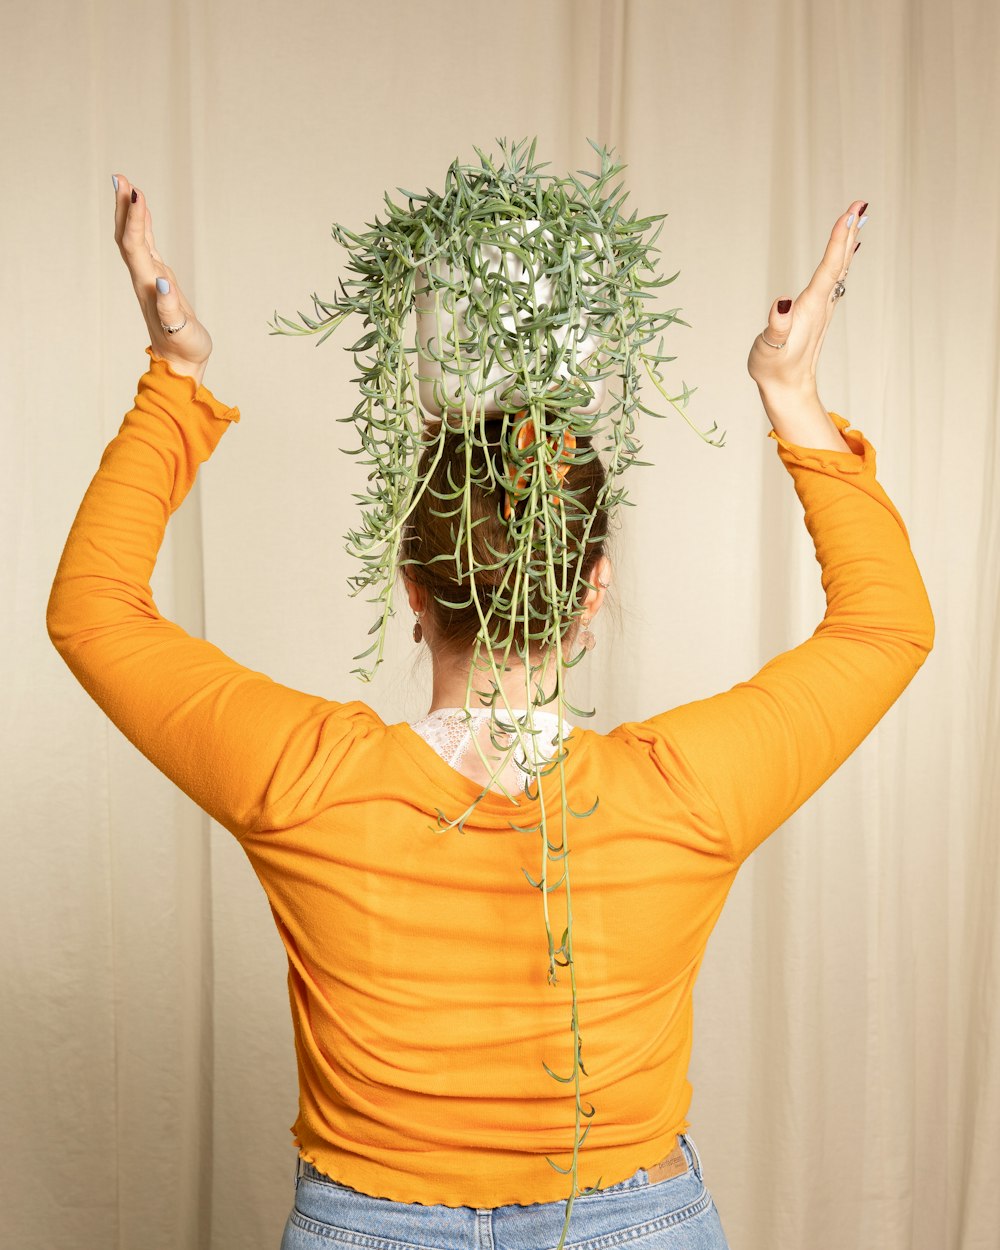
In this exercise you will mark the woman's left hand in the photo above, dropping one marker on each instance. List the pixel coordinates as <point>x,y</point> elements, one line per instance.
<point>187,350</point>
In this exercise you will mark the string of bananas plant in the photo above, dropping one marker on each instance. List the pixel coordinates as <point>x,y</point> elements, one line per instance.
<point>538,290</point>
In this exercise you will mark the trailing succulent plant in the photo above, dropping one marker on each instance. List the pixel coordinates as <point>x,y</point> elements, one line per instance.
<point>521,297</point>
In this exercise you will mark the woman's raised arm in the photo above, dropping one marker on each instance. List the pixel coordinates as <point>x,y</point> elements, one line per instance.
<point>245,748</point>
<point>759,750</point>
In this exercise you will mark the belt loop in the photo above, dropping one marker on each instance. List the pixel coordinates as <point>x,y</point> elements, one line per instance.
<point>697,1158</point>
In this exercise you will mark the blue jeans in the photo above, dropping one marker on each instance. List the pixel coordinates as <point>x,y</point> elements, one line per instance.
<point>674,1214</point>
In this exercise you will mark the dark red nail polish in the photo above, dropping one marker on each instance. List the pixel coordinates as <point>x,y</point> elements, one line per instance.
<point>861,211</point>
<point>135,195</point>
<point>856,246</point>
<point>784,305</point>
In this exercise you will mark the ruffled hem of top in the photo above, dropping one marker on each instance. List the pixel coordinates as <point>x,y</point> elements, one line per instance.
<point>196,392</point>
<point>409,1197</point>
<point>860,459</point>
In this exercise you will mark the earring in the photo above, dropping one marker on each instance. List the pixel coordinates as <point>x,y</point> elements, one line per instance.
<point>418,629</point>
<point>587,639</point>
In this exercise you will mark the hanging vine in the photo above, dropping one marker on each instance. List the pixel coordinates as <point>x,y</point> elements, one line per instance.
<point>542,282</point>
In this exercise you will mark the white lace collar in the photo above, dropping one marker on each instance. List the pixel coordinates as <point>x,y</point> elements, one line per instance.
<point>447,731</point>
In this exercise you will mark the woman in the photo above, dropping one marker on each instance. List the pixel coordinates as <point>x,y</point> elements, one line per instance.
<point>421,1015</point>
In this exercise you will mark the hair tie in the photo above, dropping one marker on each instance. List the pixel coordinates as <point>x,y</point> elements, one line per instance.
<point>562,445</point>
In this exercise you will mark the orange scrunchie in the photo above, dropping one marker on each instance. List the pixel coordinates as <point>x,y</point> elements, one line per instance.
<point>525,437</point>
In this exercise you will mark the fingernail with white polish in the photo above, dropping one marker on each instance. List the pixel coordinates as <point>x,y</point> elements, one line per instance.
<point>114,179</point>
<point>163,286</point>
<point>862,221</point>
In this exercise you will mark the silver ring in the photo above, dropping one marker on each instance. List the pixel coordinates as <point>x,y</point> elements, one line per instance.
<point>770,344</point>
<point>174,329</point>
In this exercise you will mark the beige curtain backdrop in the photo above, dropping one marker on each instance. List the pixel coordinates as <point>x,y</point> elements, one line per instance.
<point>846,1070</point>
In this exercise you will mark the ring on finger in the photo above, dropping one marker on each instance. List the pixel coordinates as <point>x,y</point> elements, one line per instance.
<point>839,290</point>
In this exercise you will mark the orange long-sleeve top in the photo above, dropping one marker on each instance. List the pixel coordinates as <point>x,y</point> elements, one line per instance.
<point>417,958</point>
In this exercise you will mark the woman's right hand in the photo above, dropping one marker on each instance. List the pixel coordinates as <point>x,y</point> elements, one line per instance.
<point>791,368</point>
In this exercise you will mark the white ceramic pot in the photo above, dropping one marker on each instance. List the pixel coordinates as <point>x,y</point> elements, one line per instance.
<point>438,311</point>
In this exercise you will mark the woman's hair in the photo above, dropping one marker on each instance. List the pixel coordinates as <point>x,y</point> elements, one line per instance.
<point>429,538</point>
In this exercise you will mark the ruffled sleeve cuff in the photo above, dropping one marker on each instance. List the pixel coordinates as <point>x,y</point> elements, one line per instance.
<point>860,459</point>
<point>173,386</point>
